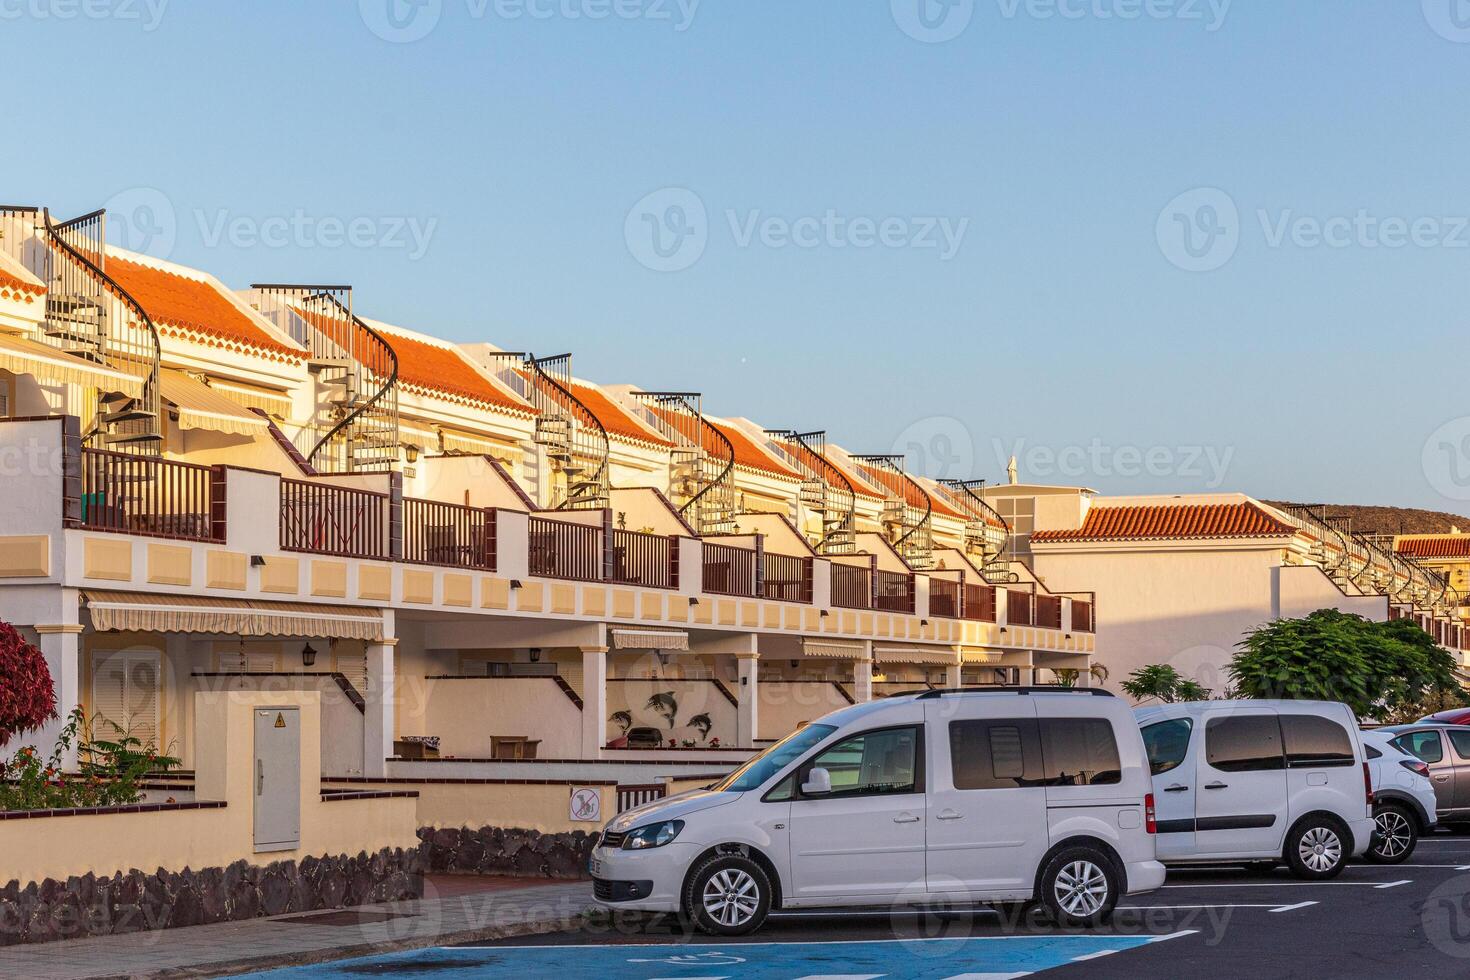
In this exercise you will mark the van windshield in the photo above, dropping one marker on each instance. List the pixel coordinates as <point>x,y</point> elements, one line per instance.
<point>762,767</point>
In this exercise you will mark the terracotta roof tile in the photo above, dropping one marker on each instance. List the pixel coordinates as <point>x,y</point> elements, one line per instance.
<point>914,495</point>
<point>748,454</point>
<point>22,290</point>
<point>1446,546</point>
<point>191,306</point>
<point>1152,522</point>
<point>614,418</point>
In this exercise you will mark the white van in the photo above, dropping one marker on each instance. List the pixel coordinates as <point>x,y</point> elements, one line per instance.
<point>971,796</point>
<point>1259,781</point>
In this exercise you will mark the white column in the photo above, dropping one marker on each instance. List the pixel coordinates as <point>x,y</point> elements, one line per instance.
<point>594,701</point>
<point>862,676</point>
<point>952,677</point>
<point>747,717</point>
<point>61,644</point>
<point>381,697</point>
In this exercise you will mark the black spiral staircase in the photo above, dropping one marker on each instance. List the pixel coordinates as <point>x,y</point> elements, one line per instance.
<point>908,510</point>
<point>702,478</point>
<point>987,534</point>
<point>824,488</point>
<point>574,438</point>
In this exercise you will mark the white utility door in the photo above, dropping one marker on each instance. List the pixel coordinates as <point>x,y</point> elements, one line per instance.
<point>987,798</point>
<point>866,837</point>
<point>1240,803</point>
<point>277,778</point>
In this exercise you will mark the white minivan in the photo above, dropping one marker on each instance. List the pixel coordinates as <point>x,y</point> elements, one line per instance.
<point>941,797</point>
<point>1259,781</point>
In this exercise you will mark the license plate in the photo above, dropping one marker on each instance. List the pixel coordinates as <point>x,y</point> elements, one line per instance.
<point>595,866</point>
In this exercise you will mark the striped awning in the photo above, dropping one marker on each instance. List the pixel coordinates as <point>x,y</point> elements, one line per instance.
<point>201,407</point>
<point>273,403</point>
<point>20,355</point>
<point>462,442</point>
<point>156,613</point>
<point>834,651</point>
<point>914,655</point>
<point>979,656</point>
<point>650,640</point>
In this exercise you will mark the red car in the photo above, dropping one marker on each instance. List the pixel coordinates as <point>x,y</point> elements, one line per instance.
<point>1454,716</point>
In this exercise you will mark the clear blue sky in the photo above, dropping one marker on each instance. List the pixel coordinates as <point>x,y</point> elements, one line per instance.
<point>523,142</point>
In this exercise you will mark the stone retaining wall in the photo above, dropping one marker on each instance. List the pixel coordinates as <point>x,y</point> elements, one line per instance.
<point>88,905</point>
<point>496,851</point>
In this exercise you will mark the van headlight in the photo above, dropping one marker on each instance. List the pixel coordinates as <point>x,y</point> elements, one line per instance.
<point>653,835</point>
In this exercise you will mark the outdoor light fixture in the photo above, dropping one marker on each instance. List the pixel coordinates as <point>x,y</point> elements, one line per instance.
<point>826,613</point>
<point>1002,629</point>
<point>411,453</point>
<point>516,583</point>
<point>308,655</point>
<point>256,561</point>
<point>923,622</point>
<point>535,655</point>
<point>693,600</point>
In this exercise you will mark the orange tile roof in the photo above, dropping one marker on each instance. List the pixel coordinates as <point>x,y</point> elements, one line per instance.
<point>614,418</point>
<point>1148,522</point>
<point>192,306</point>
<point>900,487</point>
<point>1448,546</point>
<point>747,453</point>
<point>18,289</point>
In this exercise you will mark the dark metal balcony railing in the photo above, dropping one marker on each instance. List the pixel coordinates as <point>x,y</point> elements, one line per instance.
<point>1049,612</point>
<point>1020,610</point>
<point>787,578</point>
<point>1081,616</point>
<point>645,559</point>
<point>148,495</point>
<point>561,549</point>
<point>979,602</point>
<point>852,586</point>
<point>331,520</point>
<point>437,533</point>
<point>729,570</point>
<point>944,598</point>
<point>893,591</point>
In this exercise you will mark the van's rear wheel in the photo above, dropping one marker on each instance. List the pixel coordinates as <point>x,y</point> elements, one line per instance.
<point>1317,849</point>
<point>1079,887</point>
<point>728,895</point>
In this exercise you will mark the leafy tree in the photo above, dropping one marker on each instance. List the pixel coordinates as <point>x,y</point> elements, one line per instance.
<point>1069,676</point>
<point>27,697</point>
<point>1336,656</point>
<point>1162,682</point>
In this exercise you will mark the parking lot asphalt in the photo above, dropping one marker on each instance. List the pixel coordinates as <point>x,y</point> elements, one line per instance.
<point>1373,921</point>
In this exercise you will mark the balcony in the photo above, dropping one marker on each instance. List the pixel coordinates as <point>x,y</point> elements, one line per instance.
<point>1020,608</point>
<point>893,591</point>
<point>786,578</point>
<point>561,549</point>
<point>980,604</point>
<point>945,598</point>
<point>1081,616</point>
<point>1049,612</point>
<point>852,586</point>
<point>150,496</point>
<point>650,560</point>
<point>729,570</point>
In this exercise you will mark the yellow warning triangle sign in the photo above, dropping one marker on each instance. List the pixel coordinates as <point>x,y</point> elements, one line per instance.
<point>280,720</point>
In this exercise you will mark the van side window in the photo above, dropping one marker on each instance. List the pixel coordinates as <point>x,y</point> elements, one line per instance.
<point>995,754</point>
<point>1424,746</point>
<point>882,761</point>
<point>1079,752</point>
<point>1312,741</point>
<point>1167,743</point>
<point>1244,743</point>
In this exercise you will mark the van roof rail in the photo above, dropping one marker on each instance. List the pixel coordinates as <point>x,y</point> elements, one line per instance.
<point>940,692</point>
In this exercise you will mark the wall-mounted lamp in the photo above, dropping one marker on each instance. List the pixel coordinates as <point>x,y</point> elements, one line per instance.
<point>1003,629</point>
<point>411,454</point>
<point>257,561</point>
<point>826,613</point>
<point>744,681</point>
<point>693,601</point>
<point>795,664</point>
<point>535,655</point>
<point>1069,636</point>
<point>516,583</point>
<point>308,655</point>
<point>923,622</point>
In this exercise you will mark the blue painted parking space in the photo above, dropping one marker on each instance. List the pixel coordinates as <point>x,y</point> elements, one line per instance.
<point>988,958</point>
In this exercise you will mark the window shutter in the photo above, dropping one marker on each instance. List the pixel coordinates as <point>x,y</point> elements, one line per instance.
<point>125,695</point>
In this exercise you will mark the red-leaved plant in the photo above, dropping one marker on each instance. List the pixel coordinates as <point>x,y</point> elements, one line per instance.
<point>27,697</point>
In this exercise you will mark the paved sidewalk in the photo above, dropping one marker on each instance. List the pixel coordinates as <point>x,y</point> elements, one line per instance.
<point>453,910</point>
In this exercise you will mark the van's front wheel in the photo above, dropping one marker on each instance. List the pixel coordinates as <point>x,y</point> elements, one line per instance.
<point>1079,887</point>
<point>728,895</point>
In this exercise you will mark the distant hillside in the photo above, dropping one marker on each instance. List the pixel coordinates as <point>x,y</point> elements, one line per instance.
<point>1394,520</point>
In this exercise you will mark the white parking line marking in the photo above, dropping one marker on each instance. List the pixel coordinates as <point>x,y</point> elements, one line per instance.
<point>1293,884</point>
<point>1141,908</point>
<point>1293,908</point>
<point>1174,935</point>
<point>1457,867</point>
<point>987,976</point>
<point>1393,884</point>
<point>1093,956</point>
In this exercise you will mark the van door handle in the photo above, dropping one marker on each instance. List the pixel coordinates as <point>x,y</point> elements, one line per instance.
<point>948,815</point>
<point>1176,788</point>
<point>1442,779</point>
<point>905,818</point>
<point>1216,785</point>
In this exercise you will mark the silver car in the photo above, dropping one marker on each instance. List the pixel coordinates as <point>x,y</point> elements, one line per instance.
<point>1445,749</point>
